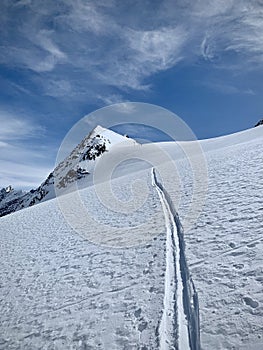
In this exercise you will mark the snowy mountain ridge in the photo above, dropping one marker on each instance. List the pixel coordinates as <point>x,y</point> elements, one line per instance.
<point>78,165</point>
<point>77,168</point>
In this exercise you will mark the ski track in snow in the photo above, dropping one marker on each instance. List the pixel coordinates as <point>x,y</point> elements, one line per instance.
<point>224,248</point>
<point>179,325</point>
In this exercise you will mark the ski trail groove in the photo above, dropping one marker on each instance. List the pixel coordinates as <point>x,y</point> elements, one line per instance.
<point>179,326</point>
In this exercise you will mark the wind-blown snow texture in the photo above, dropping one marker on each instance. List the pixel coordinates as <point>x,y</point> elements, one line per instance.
<point>225,248</point>
<point>60,291</point>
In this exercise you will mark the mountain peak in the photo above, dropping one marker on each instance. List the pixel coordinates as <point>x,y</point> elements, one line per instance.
<point>78,167</point>
<point>97,130</point>
<point>112,137</point>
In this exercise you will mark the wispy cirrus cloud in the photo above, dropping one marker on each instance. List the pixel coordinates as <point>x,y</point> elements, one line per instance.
<point>14,128</point>
<point>22,176</point>
<point>150,51</point>
<point>110,99</point>
<point>71,53</point>
<point>228,89</point>
<point>85,45</point>
<point>232,28</point>
<point>23,163</point>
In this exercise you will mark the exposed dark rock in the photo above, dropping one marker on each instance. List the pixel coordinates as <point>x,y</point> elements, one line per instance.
<point>260,122</point>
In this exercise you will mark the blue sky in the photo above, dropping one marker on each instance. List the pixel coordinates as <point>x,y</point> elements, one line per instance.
<point>60,60</point>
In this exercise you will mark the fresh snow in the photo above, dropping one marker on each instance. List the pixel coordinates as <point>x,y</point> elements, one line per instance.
<point>60,290</point>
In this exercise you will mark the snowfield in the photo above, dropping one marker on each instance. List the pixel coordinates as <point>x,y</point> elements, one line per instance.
<point>225,248</point>
<point>60,289</point>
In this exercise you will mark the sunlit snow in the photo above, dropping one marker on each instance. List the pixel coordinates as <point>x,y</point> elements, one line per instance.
<point>61,289</point>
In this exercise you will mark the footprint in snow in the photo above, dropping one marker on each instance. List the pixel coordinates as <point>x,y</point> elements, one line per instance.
<point>259,278</point>
<point>137,313</point>
<point>238,266</point>
<point>250,302</point>
<point>142,326</point>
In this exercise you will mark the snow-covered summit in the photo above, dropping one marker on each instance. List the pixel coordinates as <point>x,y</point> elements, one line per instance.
<point>76,167</point>
<point>111,135</point>
<point>82,159</point>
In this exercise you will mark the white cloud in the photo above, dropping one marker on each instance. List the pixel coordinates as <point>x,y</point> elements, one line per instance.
<point>141,54</point>
<point>228,89</point>
<point>157,49</point>
<point>52,54</point>
<point>45,42</point>
<point>88,38</point>
<point>17,128</point>
<point>23,164</point>
<point>23,2</point>
<point>58,88</point>
<point>84,16</point>
<point>123,107</point>
<point>212,9</point>
<point>206,49</point>
<point>22,176</point>
<point>3,144</point>
<point>235,27</point>
<point>80,47</point>
<point>110,99</point>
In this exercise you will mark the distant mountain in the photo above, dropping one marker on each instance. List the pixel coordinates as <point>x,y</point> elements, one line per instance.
<point>77,167</point>
<point>260,122</point>
<point>8,199</point>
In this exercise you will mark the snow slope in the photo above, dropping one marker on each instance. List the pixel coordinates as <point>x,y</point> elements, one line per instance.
<point>225,247</point>
<point>61,291</point>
